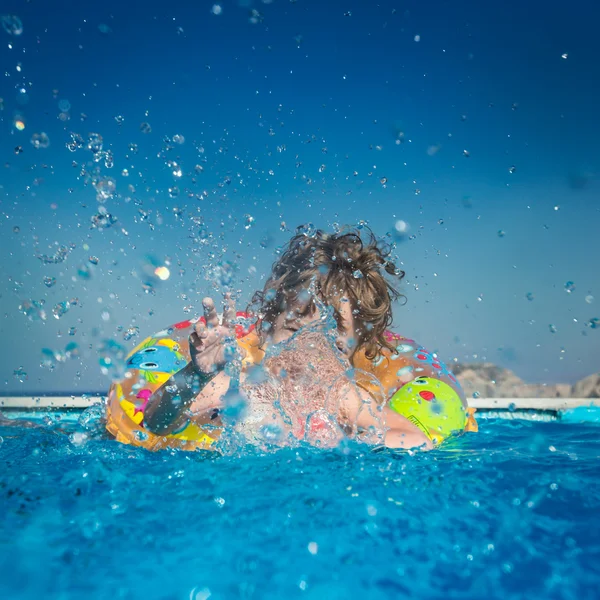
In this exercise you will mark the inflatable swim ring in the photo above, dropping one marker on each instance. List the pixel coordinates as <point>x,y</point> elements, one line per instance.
<point>417,384</point>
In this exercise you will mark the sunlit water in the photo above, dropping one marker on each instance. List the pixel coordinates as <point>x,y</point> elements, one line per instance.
<point>511,512</point>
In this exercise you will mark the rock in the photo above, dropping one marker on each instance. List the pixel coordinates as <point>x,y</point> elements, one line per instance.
<point>588,387</point>
<point>487,380</point>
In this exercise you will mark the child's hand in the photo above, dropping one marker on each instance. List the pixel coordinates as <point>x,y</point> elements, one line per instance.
<point>211,345</point>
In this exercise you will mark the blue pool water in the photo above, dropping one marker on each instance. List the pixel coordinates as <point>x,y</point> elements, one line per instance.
<point>511,512</point>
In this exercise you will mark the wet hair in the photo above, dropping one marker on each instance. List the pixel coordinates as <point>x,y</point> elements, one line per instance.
<point>352,264</point>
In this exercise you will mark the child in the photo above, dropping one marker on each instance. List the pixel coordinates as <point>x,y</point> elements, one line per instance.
<point>306,383</point>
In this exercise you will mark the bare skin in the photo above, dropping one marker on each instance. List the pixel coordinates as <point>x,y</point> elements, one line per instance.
<point>354,409</point>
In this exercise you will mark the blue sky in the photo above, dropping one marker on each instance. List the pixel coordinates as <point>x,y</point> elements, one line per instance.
<point>296,118</point>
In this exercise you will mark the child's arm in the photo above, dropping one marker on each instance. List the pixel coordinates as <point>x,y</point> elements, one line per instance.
<point>200,385</point>
<point>170,405</point>
<point>360,412</point>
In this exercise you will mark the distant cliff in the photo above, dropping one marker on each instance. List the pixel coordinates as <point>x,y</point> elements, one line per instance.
<point>487,380</point>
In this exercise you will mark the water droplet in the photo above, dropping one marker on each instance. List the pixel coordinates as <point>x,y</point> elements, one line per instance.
<point>16,229</point>
<point>217,9</point>
<point>266,241</point>
<point>131,332</point>
<point>20,375</point>
<point>564,56</point>
<point>103,220</point>
<point>33,310</point>
<point>64,105</point>
<point>94,260</point>
<point>120,119</point>
<point>552,328</point>
<point>272,433</point>
<point>476,394</point>
<point>48,359</point>
<point>512,169</point>
<point>78,438</point>
<point>94,143</point>
<point>173,192</point>
<point>109,161</point>
<point>104,29</point>
<point>358,274</point>
<point>466,153</point>
<point>501,233</point>
<point>162,273</point>
<point>145,127</point>
<point>84,272</point>
<point>255,17</point>
<point>92,419</point>
<point>12,24</point>
<point>40,140</point>
<point>77,142</point>
<point>222,274</point>
<point>529,296</point>
<point>383,181</point>
<point>569,287</point>
<point>400,231</point>
<point>248,221</point>
<point>61,309</point>
<point>112,360</point>
<point>589,299</point>
<point>140,436</point>
<point>72,350</point>
<point>594,323</point>
<point>178,139</point>
<point>105,189</point>
<point>175,169</point>
<point>53,259</point>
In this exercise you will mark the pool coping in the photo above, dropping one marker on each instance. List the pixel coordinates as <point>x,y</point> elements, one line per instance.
<point>67,402</point>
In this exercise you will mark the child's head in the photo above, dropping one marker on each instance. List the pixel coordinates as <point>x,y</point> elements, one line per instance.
<point>343,270</point>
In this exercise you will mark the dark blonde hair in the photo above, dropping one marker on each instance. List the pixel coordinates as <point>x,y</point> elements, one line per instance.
<point>350,264</point>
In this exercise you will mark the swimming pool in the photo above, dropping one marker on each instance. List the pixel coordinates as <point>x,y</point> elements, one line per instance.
<point>511,512</point>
